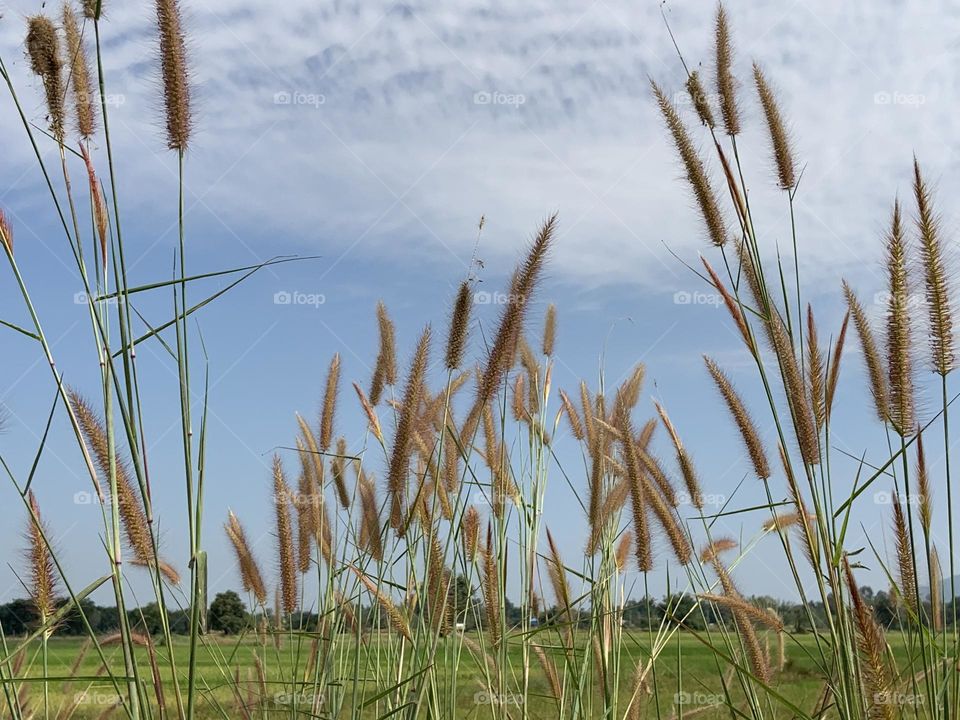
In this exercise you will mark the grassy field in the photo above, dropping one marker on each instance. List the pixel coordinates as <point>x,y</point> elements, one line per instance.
<point>694,692</point>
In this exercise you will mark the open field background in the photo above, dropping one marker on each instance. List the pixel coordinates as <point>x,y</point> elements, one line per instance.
<point>697,691</point>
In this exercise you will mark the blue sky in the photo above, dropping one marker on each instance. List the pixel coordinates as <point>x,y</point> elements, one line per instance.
<point>374,135</point>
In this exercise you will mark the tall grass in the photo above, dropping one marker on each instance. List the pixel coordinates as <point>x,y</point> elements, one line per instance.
<point>413,572</point>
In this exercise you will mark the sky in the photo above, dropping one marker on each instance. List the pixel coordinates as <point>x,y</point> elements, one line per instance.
<point>369,138</point>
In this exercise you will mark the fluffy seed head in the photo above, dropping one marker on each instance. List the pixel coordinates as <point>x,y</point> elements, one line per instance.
<point>875,372</point>
<point>815,378</point>
<point>284,530</point>
<point>459,327</point>
<point>834,375</point>
<point>510,328</point>
<point>549,330</point>
<point>330,403</point>
<point>935,275</point>
<point>779,138</point>
<point>899,353</point>
<point>132,515</point>
<point>85,108</point>
<point>696,174</point>
<point>92,9</point>
<point>873,651</point>
<point>43,580</point>
<point>901,536</point>
<point>470,532</point>
<point>725,82</point>
<point>400,457</point>
<point>250,575</point>
<point>175,74</point>
<point>641,527</point>
<point>748,431</point>
<point>6,232</point>
<point>698,96</point>
<point>711,551</point>
<point>43,49</point>
<point>385,371</point>
<point>804,424</point>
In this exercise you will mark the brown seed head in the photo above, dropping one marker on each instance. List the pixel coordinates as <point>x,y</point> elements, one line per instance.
<point>726,84</point>
<point>907,576</point>
<point>748,431</point>
<point>92,9</point>
<point>641,527</point>
<point>899,353</point>
<point>43,49</point>
<point>6,232</point>
<point>284,530</point>
<point>873,652</point>
<point>696,174</point>
<point>174,73</point>
<point>250,575</point>
<point>132,514</point>
<point>43,580</point>
<point>400,457</point>
<point>549,330</point>
<point>510,328</point>
<point>459,327</point>
<point>935,275</point>
<point>330,403</point>
<point>84,98</point>
<point>779,138</point>
<point>815,378</point>
<point>711,551</point>
<point>875,372</point>
<point>834,375</point>
<point>698,96</point>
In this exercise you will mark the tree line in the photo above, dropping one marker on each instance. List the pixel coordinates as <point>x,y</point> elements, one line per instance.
<point>228,614</point>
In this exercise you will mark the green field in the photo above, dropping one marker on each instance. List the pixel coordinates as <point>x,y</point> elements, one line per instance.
<point>694,693</point>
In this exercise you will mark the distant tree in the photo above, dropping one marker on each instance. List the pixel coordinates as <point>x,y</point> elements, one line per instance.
<point>18,617</point>
<point>461,599</point>
<point>147,619</point>
<point>73,621</point>
<point>227,613</point>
